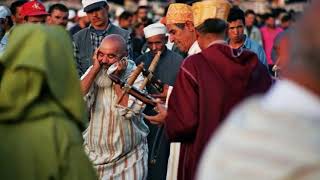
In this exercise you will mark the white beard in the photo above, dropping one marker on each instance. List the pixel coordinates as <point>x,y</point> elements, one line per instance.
<point>102,79</point>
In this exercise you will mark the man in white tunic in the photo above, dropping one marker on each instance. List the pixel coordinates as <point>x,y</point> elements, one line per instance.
<point>115,139</point>
<point>275,136</point>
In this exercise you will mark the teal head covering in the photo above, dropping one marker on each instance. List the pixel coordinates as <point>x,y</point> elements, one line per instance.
<point>38,75</point>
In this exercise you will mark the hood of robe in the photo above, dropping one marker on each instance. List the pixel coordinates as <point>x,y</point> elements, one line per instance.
<point>48,50</point>
<point>237,68</point>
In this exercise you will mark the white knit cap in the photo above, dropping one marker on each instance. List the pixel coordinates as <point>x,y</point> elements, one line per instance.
<point>154,29</point>
<point>89,5</point>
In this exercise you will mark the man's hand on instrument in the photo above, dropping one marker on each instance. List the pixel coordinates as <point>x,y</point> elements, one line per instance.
<point>160,117</point>
<point>163,95</point>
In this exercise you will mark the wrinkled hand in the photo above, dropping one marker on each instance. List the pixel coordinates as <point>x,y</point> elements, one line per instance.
<point>121,66</point>
<point>95,62</point>
<point>162,96</point>
<point>160,117</point>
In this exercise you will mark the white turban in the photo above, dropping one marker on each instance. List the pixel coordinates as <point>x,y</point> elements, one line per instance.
<point>154,29</point>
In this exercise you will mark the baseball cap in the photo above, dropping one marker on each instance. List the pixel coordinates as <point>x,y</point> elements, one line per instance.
<point>33,8</point>
<point>4,12</point>
<point>89,5</point>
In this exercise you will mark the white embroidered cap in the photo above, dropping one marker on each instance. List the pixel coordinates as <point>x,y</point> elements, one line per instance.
<point>154,29</point>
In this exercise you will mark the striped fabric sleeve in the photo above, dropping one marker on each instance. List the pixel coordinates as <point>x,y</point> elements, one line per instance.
<point>89,97</point>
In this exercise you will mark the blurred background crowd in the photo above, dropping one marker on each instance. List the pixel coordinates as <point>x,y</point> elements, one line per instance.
<point>134,15</point>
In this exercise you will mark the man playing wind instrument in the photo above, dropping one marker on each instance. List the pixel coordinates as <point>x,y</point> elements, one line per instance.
<point>116,138</point>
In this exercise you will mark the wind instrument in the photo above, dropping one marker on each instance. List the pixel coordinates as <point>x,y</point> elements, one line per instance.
<point>133,76</point>
<point>151,69</point>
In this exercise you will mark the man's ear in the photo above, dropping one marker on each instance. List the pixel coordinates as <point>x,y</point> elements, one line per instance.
<point>13,18</point>
<point>197,34</point>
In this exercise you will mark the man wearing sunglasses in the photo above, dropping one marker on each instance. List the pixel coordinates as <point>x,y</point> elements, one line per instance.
<point>89,39</point>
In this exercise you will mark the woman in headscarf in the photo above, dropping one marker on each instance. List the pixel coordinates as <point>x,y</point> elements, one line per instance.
<point>41,108</point>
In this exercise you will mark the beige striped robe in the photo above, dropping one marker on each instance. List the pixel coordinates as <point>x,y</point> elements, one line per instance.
<point>116,145</point>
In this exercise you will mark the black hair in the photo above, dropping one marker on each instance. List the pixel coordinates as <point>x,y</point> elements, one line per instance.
<point>213,25</point>
<point>15,5</point>
<point>125,15</point>
<point>286,18</point>
<point>249,11</point>
<point>236,14</point>
<point>268,15</point>
<point>141,7</point>
<point>59,7</point>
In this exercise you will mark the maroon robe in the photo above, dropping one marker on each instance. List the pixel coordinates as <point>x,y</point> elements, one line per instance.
<point>208,86</point>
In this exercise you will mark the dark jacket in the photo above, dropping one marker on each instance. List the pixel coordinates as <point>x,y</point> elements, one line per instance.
<point>84,49</point>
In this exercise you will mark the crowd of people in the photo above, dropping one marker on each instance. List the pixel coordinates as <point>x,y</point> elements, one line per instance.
<point>231,94</point>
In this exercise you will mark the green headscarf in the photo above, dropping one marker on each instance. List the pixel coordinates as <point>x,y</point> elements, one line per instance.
<point>39,75</point>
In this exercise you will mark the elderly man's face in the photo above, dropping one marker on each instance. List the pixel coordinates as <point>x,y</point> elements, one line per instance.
<point>182,38</point>
<point>156,43</point>
<point>109,53</point>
